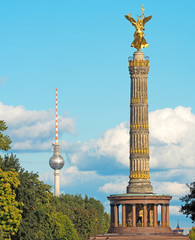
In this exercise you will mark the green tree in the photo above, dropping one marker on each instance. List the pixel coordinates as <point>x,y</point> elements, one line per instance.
<point>189,207</point>
<point>192,233</point>
<point>87,214</point>
<point>5,141</point>
<point>40,220</point>
<point>34,194</point>
<point>64,229</point>
<point>102,219</point>
<point>10,214</point>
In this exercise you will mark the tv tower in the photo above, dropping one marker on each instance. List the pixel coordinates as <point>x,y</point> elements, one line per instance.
<point>56,161</point>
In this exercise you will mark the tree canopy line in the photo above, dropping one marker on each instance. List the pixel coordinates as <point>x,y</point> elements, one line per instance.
<point>189,207</point>
<point>29,211</point>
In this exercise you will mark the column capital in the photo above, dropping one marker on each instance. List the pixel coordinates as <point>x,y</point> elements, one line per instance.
<point>115,204</point>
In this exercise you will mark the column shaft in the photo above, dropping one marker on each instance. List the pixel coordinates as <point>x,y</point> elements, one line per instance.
<point>116,215</point>
<point>162,215</point>
<point>123,215</point>
<point>167,215</point>
<point>134,215</point>
<point>112,215</point>
<point>139,127</point>
<point>145,215</point>
<point>155,215</point>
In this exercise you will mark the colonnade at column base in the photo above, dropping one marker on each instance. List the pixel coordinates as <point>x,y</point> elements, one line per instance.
<point>158,236</point>
<point>140,217</point>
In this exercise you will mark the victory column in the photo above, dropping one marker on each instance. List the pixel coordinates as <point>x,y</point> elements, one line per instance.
<point>139,128</point>
<point>140,216</point>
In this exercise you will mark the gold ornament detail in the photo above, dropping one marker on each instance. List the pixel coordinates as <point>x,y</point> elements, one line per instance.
<point>139,41</point>
<point>139,100</point>
<point>139,151</point>
<point>139,126</point>
<point>139,174</point>
<point>138,63</point>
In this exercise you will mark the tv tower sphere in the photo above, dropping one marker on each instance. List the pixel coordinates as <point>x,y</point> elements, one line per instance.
<point>56,161</point>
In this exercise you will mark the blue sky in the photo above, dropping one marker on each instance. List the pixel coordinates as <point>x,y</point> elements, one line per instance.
<point>82,48</point>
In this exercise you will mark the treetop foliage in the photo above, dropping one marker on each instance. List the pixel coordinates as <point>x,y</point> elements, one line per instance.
<point>5,140</point>
<point>10,213</point>
<point>192,233</point>
<point>87,214</point>
<point>189,207</point>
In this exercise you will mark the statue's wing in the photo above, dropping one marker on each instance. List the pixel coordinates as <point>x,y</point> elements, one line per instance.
<point>130,19</point>
<point>146,19</point>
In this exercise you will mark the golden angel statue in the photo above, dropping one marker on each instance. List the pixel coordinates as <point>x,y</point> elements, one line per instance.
<point>139,41</point>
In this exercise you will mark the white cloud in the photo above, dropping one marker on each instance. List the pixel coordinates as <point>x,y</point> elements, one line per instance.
<point>174,210</point>
<point>171,125</point>
<point>172,134</point>
<point>170,188</point>
<point>73,176</point>
<point>33,130</point>
<point>184,175</point>
<point>118,186</point>
<point>114,144</point>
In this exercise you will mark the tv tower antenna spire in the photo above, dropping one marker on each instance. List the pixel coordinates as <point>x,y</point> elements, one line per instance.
<point>56,142</point>
<point>56,161</point>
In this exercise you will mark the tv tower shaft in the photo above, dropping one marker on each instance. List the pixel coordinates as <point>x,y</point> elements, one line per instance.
<point>56,162</point>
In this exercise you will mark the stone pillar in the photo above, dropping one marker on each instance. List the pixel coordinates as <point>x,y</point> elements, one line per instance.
<point>145,215</point>
<point>111,215</point>
<point>123,215</point>
<point>139,128</point>
<point>116,216</point>
<point>167,215</point>
<point>162,215</point>
<point>134,215</point>
<point>155,215</point>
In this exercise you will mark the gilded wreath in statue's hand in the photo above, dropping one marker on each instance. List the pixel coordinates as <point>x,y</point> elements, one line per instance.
<point>139,41</point>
